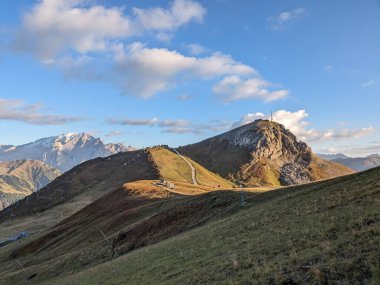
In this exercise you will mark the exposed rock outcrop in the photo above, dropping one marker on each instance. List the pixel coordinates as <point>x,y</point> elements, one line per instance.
<point>262,153</point>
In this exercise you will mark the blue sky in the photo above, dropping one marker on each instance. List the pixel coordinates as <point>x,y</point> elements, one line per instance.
<point>176,72</point>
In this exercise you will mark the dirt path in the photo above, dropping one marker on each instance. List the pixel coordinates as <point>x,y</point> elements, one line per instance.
<point>193,171</point>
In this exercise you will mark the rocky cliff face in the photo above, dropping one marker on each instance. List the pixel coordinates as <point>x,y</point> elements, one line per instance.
<point>23,177</point>
<point>263,153</point>
<point>62,152</point>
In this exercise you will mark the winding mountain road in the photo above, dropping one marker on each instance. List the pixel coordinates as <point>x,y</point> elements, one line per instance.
<point>193,171</point>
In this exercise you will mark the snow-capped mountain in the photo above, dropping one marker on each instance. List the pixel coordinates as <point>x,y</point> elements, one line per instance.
<point>62,152</point>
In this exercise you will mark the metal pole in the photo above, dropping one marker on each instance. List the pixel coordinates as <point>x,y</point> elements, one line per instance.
<point>105,237</point>
<point>112,249</point>
<point>22,267</point>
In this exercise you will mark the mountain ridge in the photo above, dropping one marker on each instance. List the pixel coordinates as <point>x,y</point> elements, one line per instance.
<point>262,153</point>
<point>94,178</point>
<point>63,151</point>
<point>356,163</point>
<point>21,178</point>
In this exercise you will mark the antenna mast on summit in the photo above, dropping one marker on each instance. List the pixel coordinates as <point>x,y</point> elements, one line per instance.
<point>271,116</point>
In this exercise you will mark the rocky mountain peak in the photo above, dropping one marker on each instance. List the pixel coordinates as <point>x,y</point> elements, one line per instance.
<point>262,153</point>
<point>62,152</point>
<point>267,139</point>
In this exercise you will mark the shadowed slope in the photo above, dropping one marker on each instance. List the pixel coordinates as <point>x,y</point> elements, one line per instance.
<point>134,216</point>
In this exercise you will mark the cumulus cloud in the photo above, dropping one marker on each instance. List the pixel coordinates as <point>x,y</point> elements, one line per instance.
<point>18,110</point>
<point>146,71</point>
<point>233,87</point>
<point>93,42</point>
<point>281,20</point>
<point>346,133</point>
<point>296,122</point>
<point>180,13</point>
<point>52,27</point>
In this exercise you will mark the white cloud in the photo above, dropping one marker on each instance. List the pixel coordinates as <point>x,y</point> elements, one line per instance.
<point>248,118</point>
<point>367,83</point>
<point>233,87</point>
<point>145,71</point>
<point>180,13</point>
<point>53,27</point>
<point>196,49</point>
<point>346,133</point>
<point>296,122</point>
<point>279,21</point>
<point>88,42</point>
<point>18,110</point>
<point>353,150</point>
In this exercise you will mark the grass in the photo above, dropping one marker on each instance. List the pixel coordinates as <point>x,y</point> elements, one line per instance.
<point>172,167</point>
<point>320,233</point>
<point>143,211</point>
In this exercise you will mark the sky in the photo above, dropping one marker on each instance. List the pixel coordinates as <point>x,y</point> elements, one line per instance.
<point>177,72</point>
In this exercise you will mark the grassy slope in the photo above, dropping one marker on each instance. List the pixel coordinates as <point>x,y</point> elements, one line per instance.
<point>324,169</point>
<point>84,184</point>
<point>173,167</point>
<point>140,214</point>
<point>325,232</point>
<point>89,181</point>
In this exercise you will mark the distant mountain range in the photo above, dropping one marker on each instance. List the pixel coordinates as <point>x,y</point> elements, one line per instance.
<point>26,168</point>
<point>262,153</point>
<point>21,178</point>
<point>332,156</point>
<point>62,152</point>
<point>356,163</point>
